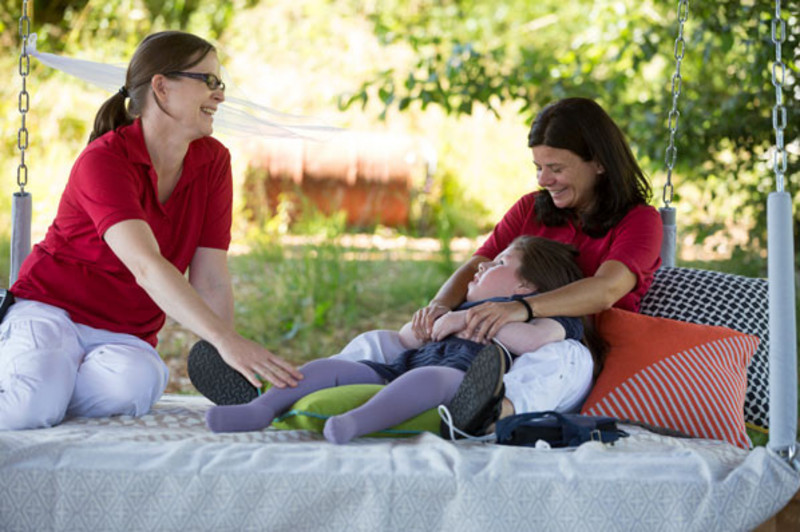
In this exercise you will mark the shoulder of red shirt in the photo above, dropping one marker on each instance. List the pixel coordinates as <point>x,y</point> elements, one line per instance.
<point>129,139</point>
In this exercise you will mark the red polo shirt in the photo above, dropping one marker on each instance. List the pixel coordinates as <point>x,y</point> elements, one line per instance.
<point>113,180</point>
<point>635,241</point>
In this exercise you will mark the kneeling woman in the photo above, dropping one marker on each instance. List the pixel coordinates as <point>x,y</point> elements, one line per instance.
<point>149,198</point>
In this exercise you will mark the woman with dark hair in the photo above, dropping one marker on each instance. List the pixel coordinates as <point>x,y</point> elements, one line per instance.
<point>147,199</point>
<point>582,127</point>
<point>593,195</point>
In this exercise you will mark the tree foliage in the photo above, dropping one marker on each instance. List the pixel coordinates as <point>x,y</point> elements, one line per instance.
<point>496,54</point>
<point>623,54</point>
<point>66,21</point>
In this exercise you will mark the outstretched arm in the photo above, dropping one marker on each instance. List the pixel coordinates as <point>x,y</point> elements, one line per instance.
<point>209,276</point>
<point>135,245</point>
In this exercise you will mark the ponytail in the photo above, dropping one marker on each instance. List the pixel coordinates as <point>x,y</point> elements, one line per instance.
<point>166,51</point>
<point>112,114</point>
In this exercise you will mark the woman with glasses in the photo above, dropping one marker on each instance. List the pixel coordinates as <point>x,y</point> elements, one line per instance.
<point>149,198</point>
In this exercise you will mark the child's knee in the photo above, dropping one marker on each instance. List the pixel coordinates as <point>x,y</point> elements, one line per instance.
<point>35,389</point>
<point>35,415</point>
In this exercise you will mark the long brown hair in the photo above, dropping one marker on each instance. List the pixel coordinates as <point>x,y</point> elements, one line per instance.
<point>158,53</point>
<point>581,126</point>
<point>548,264</point>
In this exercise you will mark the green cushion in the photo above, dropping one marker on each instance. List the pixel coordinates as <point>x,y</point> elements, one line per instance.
<point>310,412</point>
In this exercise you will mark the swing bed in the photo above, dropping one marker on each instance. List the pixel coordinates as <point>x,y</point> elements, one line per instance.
<point>166,471</point>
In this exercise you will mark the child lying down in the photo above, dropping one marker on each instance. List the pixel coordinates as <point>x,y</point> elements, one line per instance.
<point>431,373</point>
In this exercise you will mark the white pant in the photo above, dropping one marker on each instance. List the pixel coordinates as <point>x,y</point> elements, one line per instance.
<point>51,367</point>
<point>557,376</point>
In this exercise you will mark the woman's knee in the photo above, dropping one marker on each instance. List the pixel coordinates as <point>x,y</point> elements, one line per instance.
<point>21,409</point>
<point>39,356</point>
<point>115,380</point>
<point>35,393</point>
<point>378,346</point>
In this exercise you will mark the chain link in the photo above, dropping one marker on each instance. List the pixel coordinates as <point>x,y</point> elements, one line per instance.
<point>779,110</point>
<point>24,97</point>
<point>671,153</point>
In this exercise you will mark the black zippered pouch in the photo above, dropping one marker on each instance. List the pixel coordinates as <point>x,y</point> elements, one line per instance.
<point>558,430</point>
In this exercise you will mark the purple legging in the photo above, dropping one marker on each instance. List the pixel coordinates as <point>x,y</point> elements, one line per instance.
<point>410,394</point>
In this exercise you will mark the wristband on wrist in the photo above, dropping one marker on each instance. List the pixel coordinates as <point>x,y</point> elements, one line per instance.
<point>527,306</point>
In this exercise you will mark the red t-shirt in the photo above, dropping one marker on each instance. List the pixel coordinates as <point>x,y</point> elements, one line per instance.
<point>635,241</point>
<point>113,180</point>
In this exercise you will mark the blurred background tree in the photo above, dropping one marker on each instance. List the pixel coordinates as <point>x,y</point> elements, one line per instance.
<point>470,74</point>
<point>470,53</point>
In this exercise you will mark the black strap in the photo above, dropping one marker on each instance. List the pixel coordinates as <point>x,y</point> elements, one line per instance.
<point>6,300</point>
<point>527,306</point>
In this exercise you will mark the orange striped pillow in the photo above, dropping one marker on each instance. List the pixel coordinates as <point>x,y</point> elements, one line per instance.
<point>672,374</point>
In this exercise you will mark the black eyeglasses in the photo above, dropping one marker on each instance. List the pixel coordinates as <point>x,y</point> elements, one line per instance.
<point>211,81</point>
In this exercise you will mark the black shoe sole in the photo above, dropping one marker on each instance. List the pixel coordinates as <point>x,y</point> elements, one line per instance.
<point>216,380</point>
<point>475,405</point>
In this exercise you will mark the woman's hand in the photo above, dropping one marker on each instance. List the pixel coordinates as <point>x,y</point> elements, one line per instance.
<point>485,320</point>
<point>256,363</point>
<point>423,320</point>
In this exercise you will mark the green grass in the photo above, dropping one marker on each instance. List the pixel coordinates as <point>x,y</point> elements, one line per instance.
<point>307,301</point>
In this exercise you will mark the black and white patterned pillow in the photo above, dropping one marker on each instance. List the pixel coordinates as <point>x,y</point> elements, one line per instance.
<point>714,298</point>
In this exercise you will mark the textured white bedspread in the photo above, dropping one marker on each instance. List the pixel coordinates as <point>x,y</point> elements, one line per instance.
<point>166,471</point>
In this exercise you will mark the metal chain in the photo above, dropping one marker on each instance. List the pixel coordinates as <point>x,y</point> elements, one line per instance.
<point>24,97</point>
<point>779,110</point>
<point>671,153</point>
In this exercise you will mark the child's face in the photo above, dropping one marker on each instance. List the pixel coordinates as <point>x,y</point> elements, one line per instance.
<point>498,278</point>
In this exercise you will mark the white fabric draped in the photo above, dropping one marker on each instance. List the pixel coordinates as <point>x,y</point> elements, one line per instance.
<point>236,116</point>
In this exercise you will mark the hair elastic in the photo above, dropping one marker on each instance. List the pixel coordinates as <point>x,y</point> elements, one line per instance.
<point>527,306</point>
<point>123,91</point>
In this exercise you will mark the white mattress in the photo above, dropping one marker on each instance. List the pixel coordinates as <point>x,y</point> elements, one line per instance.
<point>166,471</point>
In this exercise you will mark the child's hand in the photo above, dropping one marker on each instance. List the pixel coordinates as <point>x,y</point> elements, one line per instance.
<point>423,320</point>
<point>450,323</point>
